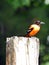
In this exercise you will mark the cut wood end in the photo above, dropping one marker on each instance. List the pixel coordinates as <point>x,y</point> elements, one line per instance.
<point>15,37</point>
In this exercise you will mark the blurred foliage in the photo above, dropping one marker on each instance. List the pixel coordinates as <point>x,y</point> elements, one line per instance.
<point>18,3</point>
<point>16,16</point>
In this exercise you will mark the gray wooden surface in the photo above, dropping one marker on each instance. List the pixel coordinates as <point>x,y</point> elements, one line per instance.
<point>22,51</point>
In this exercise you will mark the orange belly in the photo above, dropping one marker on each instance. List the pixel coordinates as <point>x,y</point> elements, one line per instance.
<point>33,32</point>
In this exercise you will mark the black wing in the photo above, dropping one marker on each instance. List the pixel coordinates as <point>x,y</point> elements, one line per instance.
<point>29,30</point>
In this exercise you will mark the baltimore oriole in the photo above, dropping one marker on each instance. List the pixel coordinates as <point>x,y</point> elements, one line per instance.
<point>34,28</point>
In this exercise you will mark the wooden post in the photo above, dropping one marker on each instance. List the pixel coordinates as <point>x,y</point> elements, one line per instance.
<point>22,51</point>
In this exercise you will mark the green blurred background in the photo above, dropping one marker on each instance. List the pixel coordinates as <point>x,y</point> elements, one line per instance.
<point>16,16</point>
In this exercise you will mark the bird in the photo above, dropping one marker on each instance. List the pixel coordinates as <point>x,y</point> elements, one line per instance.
<point>34,28</point>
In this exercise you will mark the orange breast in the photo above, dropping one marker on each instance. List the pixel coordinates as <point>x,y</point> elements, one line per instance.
<point>35,30</point>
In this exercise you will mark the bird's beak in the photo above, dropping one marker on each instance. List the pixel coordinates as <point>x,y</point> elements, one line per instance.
<point>42,22</point>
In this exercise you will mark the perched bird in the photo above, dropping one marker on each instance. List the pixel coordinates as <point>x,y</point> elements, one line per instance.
<point>34,28</point>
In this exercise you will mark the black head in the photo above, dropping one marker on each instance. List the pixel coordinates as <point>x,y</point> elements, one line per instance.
<point>38,22</point>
